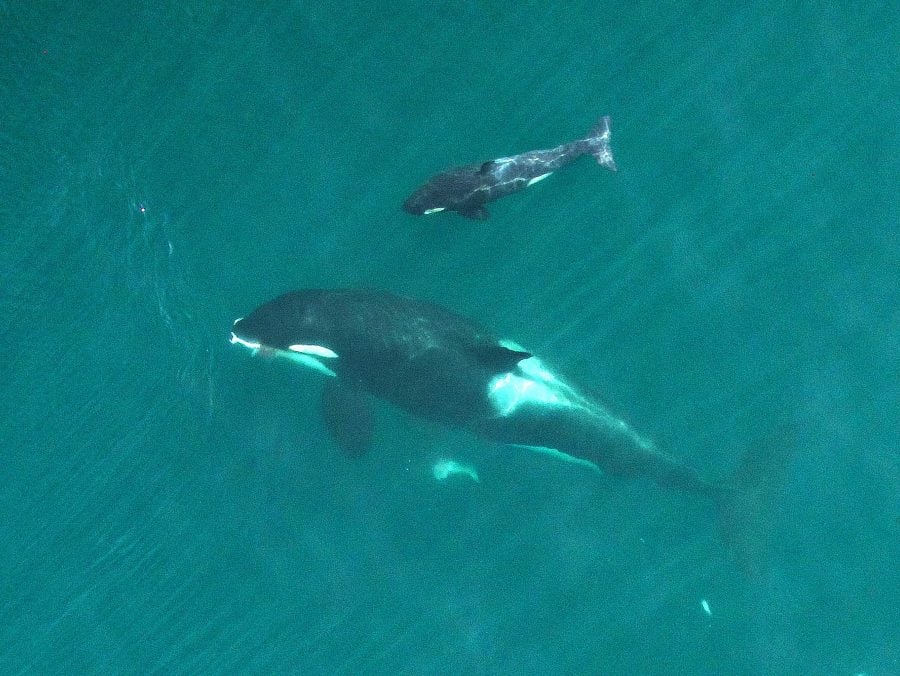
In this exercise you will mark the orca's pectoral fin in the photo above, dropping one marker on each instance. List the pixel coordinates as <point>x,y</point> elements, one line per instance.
<point>476,213</point>
<point>350,417</point>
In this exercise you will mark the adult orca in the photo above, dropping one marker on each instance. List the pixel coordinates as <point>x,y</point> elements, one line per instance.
<point>467,189</point>
<point>444,367</point>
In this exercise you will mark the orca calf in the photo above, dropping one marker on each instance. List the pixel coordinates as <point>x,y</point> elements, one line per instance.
<point>446,368</point>
<point>467,189</point>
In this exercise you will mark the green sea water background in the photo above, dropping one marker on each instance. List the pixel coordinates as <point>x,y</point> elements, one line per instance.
<point>170,505</point>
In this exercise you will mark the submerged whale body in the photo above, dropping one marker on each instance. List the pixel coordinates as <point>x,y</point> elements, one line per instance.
<point>444,367</point>
<point>467,189</point>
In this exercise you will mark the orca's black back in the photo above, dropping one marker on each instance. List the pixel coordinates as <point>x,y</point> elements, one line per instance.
<point>423,358</point>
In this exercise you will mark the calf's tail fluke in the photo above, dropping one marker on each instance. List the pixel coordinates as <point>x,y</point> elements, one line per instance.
<point>599,139</point>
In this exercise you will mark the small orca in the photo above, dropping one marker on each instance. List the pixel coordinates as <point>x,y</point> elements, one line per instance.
<point>467,189</point>
<point>443,367</point>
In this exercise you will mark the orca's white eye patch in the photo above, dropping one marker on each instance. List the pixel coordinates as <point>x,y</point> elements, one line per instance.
<point>314,350</point>
<point>534,180</point>
<point>434,210</point>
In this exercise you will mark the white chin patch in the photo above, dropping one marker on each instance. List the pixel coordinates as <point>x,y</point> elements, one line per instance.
<point>235,340</point>
<point>433,211</point>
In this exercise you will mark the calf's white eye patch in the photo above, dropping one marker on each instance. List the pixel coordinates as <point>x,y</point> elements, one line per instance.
<point>534,180</point>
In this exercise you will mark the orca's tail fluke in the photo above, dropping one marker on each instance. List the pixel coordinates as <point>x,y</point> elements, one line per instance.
<point>600,148</point>
<point>747,500</point>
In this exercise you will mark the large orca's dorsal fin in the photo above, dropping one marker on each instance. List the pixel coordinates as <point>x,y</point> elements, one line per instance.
<point>499,358</point>
<point>487,167</point>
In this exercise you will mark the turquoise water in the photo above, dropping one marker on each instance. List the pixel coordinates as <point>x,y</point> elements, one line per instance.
<point>168,504</point>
